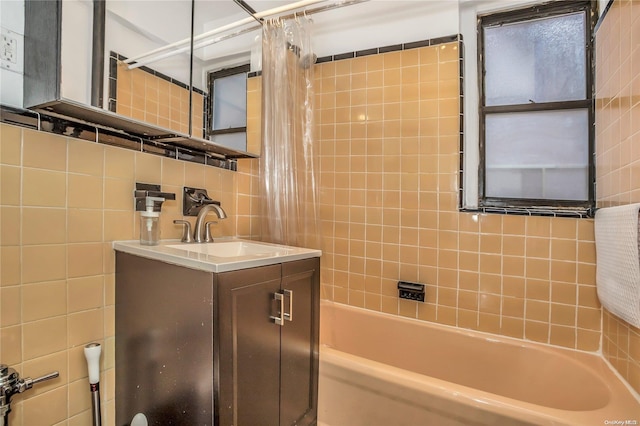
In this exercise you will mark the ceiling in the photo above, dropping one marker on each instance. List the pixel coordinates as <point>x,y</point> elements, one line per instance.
<point>355,25</point>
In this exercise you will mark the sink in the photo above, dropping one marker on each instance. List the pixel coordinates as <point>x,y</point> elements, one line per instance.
<point>223,255</point>
<point>232,249</point>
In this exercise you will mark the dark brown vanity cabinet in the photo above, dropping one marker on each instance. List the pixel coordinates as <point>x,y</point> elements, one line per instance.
<point>200,348</point>
<point>268,331</point>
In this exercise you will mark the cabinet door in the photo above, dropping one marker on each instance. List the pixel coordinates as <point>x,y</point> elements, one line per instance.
<point>249,347</point>
<point>164,347</point>
<point>299,344</point>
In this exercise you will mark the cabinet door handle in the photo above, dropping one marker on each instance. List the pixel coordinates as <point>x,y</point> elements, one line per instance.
<point>279,319</point>
<point>289,315</point>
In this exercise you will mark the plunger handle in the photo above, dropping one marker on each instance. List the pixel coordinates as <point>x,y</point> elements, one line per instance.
<point>92,354</point>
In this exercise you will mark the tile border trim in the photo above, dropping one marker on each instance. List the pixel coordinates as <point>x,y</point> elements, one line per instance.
<point>82,131</point>
<point>391,48</point>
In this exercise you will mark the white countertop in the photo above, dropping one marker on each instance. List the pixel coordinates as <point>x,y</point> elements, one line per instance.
<point>195,256</point>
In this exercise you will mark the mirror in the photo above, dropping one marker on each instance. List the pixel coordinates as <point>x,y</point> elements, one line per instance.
<point>152,77</point>
<point>157,91</point>
<point>223,37</point>
<point>128,65</point>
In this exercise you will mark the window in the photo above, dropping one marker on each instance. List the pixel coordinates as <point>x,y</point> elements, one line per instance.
<point>228,108</point>
<point>536,108</point>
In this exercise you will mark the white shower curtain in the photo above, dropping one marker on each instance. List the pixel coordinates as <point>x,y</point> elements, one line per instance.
<point>288,164</point>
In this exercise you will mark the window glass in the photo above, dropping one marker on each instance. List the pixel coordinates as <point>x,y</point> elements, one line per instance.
<point>538,155</point>
<point>542,60</point>
<point>230,102</point>
<point>236,140</point>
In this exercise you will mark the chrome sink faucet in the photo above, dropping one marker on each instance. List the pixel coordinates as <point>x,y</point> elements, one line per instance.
<point>196,202</point>
<point>200,222</point>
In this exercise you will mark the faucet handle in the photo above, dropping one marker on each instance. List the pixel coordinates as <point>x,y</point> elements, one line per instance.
<point>207,234</point>
<point>186,230</point>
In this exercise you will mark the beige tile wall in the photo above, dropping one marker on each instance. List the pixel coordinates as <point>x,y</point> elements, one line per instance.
<point>248,175</point>
<point>145,97</point>
<point>254,114</point>
<point>248,199</point>
<point>618,151</point>
<point>62,202</point>
<point>388,129</point>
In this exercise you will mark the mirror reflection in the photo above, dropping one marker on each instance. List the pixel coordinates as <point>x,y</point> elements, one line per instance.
<point>220,70</point>
<point>152,75</point>
<point>149,88</point>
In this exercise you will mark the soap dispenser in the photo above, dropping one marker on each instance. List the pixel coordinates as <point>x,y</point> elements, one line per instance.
<point>149,199</point>
<point>150,222</point>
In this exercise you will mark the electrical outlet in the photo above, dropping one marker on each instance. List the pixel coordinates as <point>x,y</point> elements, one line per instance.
<point>11,50</point>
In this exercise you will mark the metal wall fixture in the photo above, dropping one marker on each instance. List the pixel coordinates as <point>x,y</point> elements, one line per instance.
<point>196,202</point>
<point>411,291</point>
<point>11,384</point>
<point>144,190</point>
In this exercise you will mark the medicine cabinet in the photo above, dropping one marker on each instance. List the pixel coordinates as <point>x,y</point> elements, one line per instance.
<point>129,65</point>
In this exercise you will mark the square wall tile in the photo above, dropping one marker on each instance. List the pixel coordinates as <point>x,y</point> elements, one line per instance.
<point>44,225</point>
<point>44,337</point>
<point>84,260</point>
<point>84,225</point>
<point>173,172</point>
<point>118,194</point>
<point>148,168</point>
<point>85,293</point>
<point>44,300</point>
<point>85,191</point>
<point>11,146</point>
<point>85,327</point>
<point>44,188</point>
<point>49,408</point>
<point>11,345</point>
<point>10,183</point>
<point>44,263</point>
<point>10,265</point>
<point>44,150</point>
<point>10,302</point>
<point>10,221</point>
<point>118,225</point>
<point>119,163</point>
<point>86,157</point>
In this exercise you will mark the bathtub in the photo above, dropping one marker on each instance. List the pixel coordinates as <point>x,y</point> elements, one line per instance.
<point>379,369</point>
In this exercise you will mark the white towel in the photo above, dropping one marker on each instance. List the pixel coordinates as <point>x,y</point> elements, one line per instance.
<point>617,261</point>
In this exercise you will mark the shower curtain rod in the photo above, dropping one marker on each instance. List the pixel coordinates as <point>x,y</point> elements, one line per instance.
<point>331,6</point>
<point>215,31</point>
<point>211,41</point>
<point>195,46</point>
